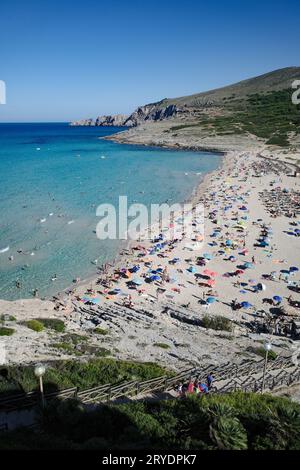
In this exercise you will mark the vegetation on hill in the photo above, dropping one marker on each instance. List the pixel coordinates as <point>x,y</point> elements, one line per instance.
<point>271,116</point>
<point>235,421</point>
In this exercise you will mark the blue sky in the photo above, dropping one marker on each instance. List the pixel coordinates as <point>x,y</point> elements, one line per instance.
<point>64,59</point>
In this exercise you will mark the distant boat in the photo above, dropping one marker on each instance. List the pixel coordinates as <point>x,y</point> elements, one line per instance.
<point>71,222</point>
<point>43,220</point>
<point>4,249</point>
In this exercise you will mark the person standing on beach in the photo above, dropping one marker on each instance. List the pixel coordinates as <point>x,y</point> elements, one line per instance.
<point>209,380</point>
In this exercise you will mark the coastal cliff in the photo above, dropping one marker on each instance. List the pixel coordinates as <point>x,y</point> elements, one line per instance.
<point>117,120</point>
<point>149,112</point>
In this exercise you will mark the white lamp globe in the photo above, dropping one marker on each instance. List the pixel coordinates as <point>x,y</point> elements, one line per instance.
<point>268,346</point>
<point>39,370</point>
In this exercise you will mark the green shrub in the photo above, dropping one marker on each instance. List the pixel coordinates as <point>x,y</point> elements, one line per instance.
<point>101,331</point>
<point>4,317</point>
<point>35,325</point>
<point>102,352</point>
<point>67,347</point>
<point>278,139</point>
<point>217,322</point>
<point>53,324</point>
<point>162,345</point>
<point>6,331</point>
<point>260,351</point>
<point>234,421</point>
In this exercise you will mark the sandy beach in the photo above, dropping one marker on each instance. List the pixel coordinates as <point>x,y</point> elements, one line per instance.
<point>152,301</point>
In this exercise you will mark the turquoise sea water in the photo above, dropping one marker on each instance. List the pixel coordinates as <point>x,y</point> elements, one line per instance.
<point>57,169</point>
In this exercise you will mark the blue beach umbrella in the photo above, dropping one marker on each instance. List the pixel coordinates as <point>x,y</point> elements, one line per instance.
<point>294,269</point>
<point>210,300</point>
<point>155,277</point>
<point>207,256</point>
<point>277,298</point>
<point>135,268</point>
<point>248,265</point>
<point>192,269</point>
<point>246,304</point>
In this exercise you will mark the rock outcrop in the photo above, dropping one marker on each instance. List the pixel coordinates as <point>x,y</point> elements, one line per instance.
<point>149,112</point>
<point>114,120</point>
<point>83,122</point>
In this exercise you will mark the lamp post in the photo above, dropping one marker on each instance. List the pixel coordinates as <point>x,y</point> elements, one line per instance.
<point>267,347</point>
<point>39,371</point>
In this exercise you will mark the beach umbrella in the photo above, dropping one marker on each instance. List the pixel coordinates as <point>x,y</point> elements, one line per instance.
<point>210,300</point>
<point>208,272</point>
<point>210,282</point>
<point>246,304</point>
<point>93,300</point>
<point>207,256</point>
<point>248,265</point>
<point>192,269</point>
<point>261,286</point>
<point>137,281</point>
<point>277,298</point>
<point>294,269</point>
<point>232,258</point>
<point>135,268</point>
<point>243,292</point>
<point>155,277</point>
<point>228,242</point>
<point>213,273</point>
<point>239,271</point>
<point>245,252</point>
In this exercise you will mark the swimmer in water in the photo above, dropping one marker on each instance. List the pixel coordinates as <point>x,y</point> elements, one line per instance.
<point>35,292</point>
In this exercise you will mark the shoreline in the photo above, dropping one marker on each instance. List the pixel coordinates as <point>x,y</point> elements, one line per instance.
<point>169,146</point>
